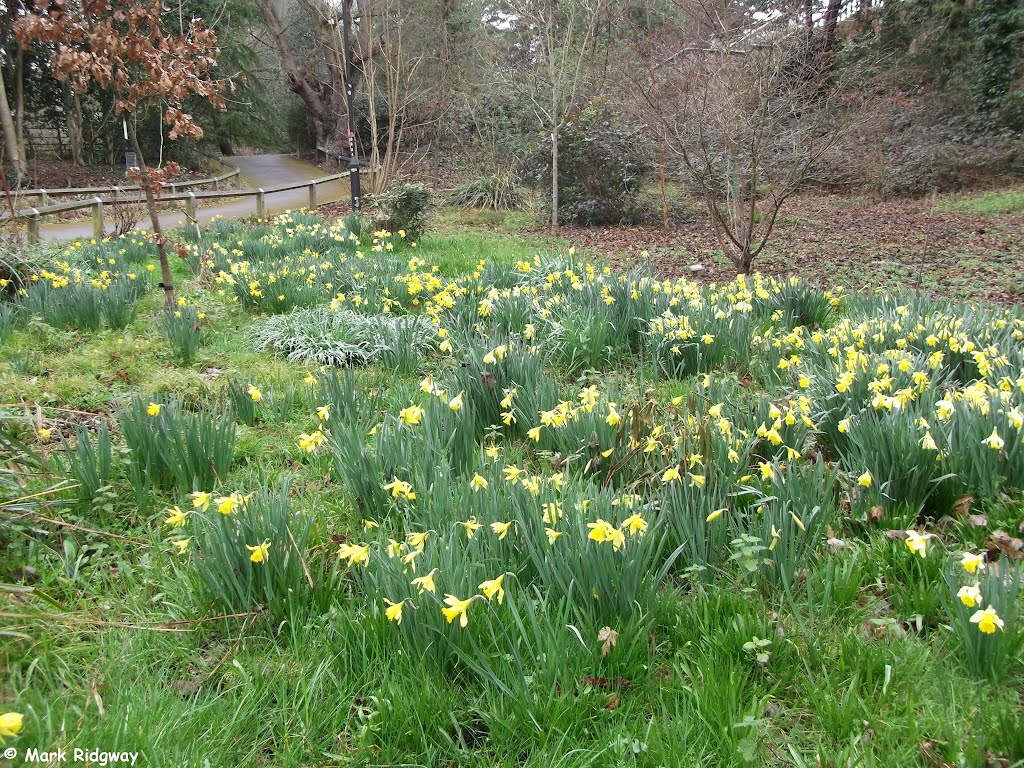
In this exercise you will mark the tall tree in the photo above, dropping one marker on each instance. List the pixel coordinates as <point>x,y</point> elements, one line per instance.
<point>10,134</point>
<point>125,47</point>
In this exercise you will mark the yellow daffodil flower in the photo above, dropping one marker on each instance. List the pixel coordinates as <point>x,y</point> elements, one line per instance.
<point>493,587</point>
<point>426,583</point>
<point>988,620</point>
<point>175,517</point>
<point>260,552</point>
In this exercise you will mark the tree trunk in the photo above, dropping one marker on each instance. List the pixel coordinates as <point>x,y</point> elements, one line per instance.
<point>73,109</point>
<point>301,80</point>
<point>554,178</point>
<point>154,216</point>
<point>831,23</point>
<point>19,102</point>
<point>10,134</point>
<point>663,181</point>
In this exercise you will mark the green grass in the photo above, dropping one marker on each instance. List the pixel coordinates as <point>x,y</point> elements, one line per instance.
<point>115,642</point>
<point>988,203</point>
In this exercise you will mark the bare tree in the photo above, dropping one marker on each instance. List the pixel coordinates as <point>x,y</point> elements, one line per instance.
<point>554,75</point>
<point>746,106</point>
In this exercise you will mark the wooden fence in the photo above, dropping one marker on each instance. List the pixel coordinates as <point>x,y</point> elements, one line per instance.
<point>34,216</point>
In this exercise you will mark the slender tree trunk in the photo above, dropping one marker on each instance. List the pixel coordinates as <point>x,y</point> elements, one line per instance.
<point>554,178</point>
<point>663,181</point>
<point>19,102</point>
<point>10,134</point>
<point>154,216</point>
<point>73,109</point>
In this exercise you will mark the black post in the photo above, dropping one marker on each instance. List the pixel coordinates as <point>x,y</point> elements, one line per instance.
<point>353,161</point>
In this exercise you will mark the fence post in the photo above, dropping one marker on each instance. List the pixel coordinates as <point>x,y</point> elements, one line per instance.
<point>261,203</point>
<point>312,195</point>
<point>190,207</point>
<point>97,218</point>
<point>174,188</point>
<point>35,221</point>
<point>44,199</point>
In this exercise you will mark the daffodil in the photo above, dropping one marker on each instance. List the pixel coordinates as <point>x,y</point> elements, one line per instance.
<point>324,412</point>
<point>994,441</point>
<point>201,500</point>
<point>865,480</point>
<point>776,536</point>
<point>175,517</point>
<point>534,434</point>
<point>670,475</point>
<point>613,417</point>
<point>493,587</point>
<point>400,489</point>
<point>228,504</point>
<point>426,583</point>
<point>412,415</point>
<point>552,535</point>
<point>260,552</point>
<point>636,525</point>
<point>10,725</point>
<point>393,612</point>
<point>917,543</point>
<point>456,609</point>
<point>182,545</point>
<point>972,563</point>
<point>471,526</point>
<point>417,540</point>
<point>501,529</point>
<point>715,515</point>
<point>354,553</point>
<point>988,620</point>
<point>970,595</point>
<point>153,409</point>
<point>255,394</point>
<point>456,402</point>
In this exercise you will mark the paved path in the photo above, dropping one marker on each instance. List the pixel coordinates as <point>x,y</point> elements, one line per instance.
<point>257,171</point>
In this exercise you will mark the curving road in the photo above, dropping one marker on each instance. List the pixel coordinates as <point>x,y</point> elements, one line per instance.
<point>256,171</point>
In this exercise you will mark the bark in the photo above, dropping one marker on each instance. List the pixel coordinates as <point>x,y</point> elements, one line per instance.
<point>19,102</point>
<point>10,134</point>
<point>301,81</point>
<point>554,178</point>
<point>74,113</point>
<point>831,23</point>
<point>154,216</point>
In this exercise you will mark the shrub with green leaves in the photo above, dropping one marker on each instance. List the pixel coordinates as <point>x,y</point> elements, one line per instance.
<point>402,209</point>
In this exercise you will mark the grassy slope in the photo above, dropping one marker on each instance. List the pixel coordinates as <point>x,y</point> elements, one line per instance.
<point>841,681</point>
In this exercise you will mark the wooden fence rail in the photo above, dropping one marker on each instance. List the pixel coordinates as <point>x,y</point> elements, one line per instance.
<point>34,216</point>
<point>44,195</point>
